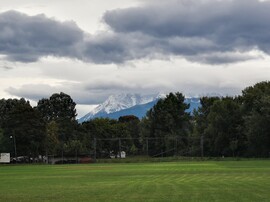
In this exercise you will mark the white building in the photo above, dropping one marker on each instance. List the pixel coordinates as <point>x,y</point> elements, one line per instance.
<point>5,158</point>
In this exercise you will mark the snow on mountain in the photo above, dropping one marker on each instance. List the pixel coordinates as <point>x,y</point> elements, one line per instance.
<point>119,102</point>
<point>127,104</point>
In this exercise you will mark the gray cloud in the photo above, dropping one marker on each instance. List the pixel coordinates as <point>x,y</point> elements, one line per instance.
<point>32,91</point>
<point>195,30</point>
<point>189,28</point>
<point>27,38</point>
<point>218,58</point>
<point>92,92</point>
<point>36,92</point>
<point>109,85</point>
<point>239,20</point>
<point>5,67</point>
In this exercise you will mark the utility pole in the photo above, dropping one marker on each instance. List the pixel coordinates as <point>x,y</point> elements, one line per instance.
<point>62,152</point>
<point>202,152</point>
<point>15,147</point>
<point>175,149</point>
<point>119,142</point>
<point>147,146</point>
<point>95,149</point>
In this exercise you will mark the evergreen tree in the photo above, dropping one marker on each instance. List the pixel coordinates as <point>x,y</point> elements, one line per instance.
<point>201,145</point>
<point>26,125</point>
<point>256,112</point>
<point>166,122</point>
<point>58,107</point>
<point>223,132</point>
<point>60,111</point>
<point>132,123</point>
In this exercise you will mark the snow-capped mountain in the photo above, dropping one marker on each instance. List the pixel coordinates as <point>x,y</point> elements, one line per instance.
<point>116,103</point>
<point>131,104</point>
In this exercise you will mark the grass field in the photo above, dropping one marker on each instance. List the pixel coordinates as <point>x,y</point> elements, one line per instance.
<point>175,181</point>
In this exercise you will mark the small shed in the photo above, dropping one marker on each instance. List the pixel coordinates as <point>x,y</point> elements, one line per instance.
<point>5,158</point>
<point>122,156</point>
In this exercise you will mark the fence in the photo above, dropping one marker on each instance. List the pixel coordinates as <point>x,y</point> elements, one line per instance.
<point>152,147</point>
<point>105,148</point>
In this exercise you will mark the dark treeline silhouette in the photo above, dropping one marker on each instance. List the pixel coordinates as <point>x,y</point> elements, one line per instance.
<point>222,126</point>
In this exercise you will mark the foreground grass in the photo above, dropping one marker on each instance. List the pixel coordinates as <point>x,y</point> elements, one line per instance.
<point>177,181</point>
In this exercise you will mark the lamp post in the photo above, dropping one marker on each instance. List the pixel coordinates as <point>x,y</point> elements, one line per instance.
<point>15,149</point>
<point>202,150</point>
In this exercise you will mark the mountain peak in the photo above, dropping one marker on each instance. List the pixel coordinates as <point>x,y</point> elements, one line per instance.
<point>126,104</point>
<point>118,102</point>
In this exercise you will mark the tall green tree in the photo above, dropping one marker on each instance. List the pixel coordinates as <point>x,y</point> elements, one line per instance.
<point>52,139</point>
<point>7,105</point>
<point>256,112</point>
<point>60,110</point>
<point>132,124</point>
<point>223,133</point>
<point>200,115</point>
<point>59,106</point>
<point>26,125</point>
<point>2,143</point>
<point>168,119</point>
<point>103,131</point>
<point>111,136</point>
<point>200,144</point>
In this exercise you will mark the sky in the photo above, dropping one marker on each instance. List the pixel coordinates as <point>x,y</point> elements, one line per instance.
<point>93,49</point>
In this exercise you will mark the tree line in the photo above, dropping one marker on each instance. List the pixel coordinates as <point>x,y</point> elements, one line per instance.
<point>223,126</point>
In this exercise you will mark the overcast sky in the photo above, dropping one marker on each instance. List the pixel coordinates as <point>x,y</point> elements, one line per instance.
<point>92,49</point>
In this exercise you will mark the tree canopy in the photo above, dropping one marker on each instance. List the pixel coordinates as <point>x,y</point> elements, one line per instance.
<point>222,126</point>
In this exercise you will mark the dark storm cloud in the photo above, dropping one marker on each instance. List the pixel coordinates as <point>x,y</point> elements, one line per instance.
<point>27,38</point>
<point>121,47</point>
<point>181,26</point>
<point>195,30</point>
<point>234,21</point>
<point>221,57</point>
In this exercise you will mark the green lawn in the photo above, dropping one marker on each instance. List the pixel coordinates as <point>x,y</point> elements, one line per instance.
<point>176,181</point>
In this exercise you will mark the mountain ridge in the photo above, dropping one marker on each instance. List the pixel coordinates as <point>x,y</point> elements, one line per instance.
<point>119,102</point>
<point>130,104</point>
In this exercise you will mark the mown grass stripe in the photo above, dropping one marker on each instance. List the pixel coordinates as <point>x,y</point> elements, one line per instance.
<point>178,181</point>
